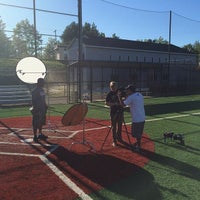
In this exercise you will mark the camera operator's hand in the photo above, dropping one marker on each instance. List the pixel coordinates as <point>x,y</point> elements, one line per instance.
<point>119,93</point>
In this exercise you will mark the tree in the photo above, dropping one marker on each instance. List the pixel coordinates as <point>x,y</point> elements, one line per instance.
<point>115,36</point>
<point>197,47</point>
<point>160,40</point>
<point>5,44</point>
<point>194,48</point>
<point>71,32</point>
<point>23,39</point>
<point>90,30</point>
<point>190,48</point>
<point>49,50</point>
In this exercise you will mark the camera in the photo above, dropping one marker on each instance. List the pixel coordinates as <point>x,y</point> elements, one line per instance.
<point>122,91</point>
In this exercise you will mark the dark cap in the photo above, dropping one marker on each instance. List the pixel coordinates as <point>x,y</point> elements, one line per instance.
<point>130,87</point>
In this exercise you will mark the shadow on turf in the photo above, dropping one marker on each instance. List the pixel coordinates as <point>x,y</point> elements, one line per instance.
<point>178,145</point>
<point>171,107</point>
<point>181,168</point>
<point>185,148</point>
<point>98,171</point>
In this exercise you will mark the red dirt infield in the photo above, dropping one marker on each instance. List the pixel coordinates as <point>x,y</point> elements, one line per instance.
<point>64,166</point>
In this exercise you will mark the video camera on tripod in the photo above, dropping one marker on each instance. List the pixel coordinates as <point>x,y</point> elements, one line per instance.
<point>122,91</point>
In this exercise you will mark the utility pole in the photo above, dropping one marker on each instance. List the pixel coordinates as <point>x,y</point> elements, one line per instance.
<point>79,48</point>
<point>35,34</point>
<point>169,44</point>
<point>55,35</point>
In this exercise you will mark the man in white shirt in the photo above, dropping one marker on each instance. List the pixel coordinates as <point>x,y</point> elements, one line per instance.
<point>135,101</point>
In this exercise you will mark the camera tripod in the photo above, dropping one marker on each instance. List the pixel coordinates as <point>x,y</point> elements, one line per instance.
<point>111,127</point>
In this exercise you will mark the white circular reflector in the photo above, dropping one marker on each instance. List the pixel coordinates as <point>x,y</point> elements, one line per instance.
<point>29,69</point>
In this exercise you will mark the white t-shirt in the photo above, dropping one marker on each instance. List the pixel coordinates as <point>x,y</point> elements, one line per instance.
<point>136,103</point>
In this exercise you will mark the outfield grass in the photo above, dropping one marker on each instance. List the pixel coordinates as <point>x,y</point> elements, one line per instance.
<point>173,172</point>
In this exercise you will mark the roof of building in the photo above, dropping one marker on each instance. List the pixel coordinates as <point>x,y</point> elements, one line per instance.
<point>129,44</point>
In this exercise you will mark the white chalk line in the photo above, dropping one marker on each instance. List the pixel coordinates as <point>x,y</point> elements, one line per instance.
<point>169,117</point>
<point>175,116</point>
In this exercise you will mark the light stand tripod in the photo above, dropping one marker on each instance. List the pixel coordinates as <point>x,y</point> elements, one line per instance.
<point>84,141</point>
<point>111,127</point>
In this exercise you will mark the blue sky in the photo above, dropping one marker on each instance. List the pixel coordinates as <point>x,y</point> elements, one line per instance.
<point>128,19</point>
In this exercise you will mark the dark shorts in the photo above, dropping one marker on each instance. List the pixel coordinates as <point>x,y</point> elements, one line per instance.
<point>39,119</point>
<point>137,129</point>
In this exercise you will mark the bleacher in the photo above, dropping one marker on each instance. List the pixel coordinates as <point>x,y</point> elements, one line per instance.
<point>144,91</point>
<point>13,95</point>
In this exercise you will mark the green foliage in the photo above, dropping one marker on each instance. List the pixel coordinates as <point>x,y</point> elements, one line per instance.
<point>24,39</point>
<point>193,48</point>
<point>9,64</point>
<point>115,36</point>
<point>190,48</point>
<point>69,33</point>
<point>197,46</point>
<point>53,64</point>
<point>160,40</point>
<point>88,30</point>
<point>5,45</point>
<point>49,50</point>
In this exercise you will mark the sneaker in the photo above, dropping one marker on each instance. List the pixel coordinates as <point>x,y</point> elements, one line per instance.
<point>135,147</point>
<point>114,144</point>
<point>42,136</point>
<point>35,139</point>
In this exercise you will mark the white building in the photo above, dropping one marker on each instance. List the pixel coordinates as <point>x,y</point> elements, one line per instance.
<point>109,49</point>
<point>147,65</point>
